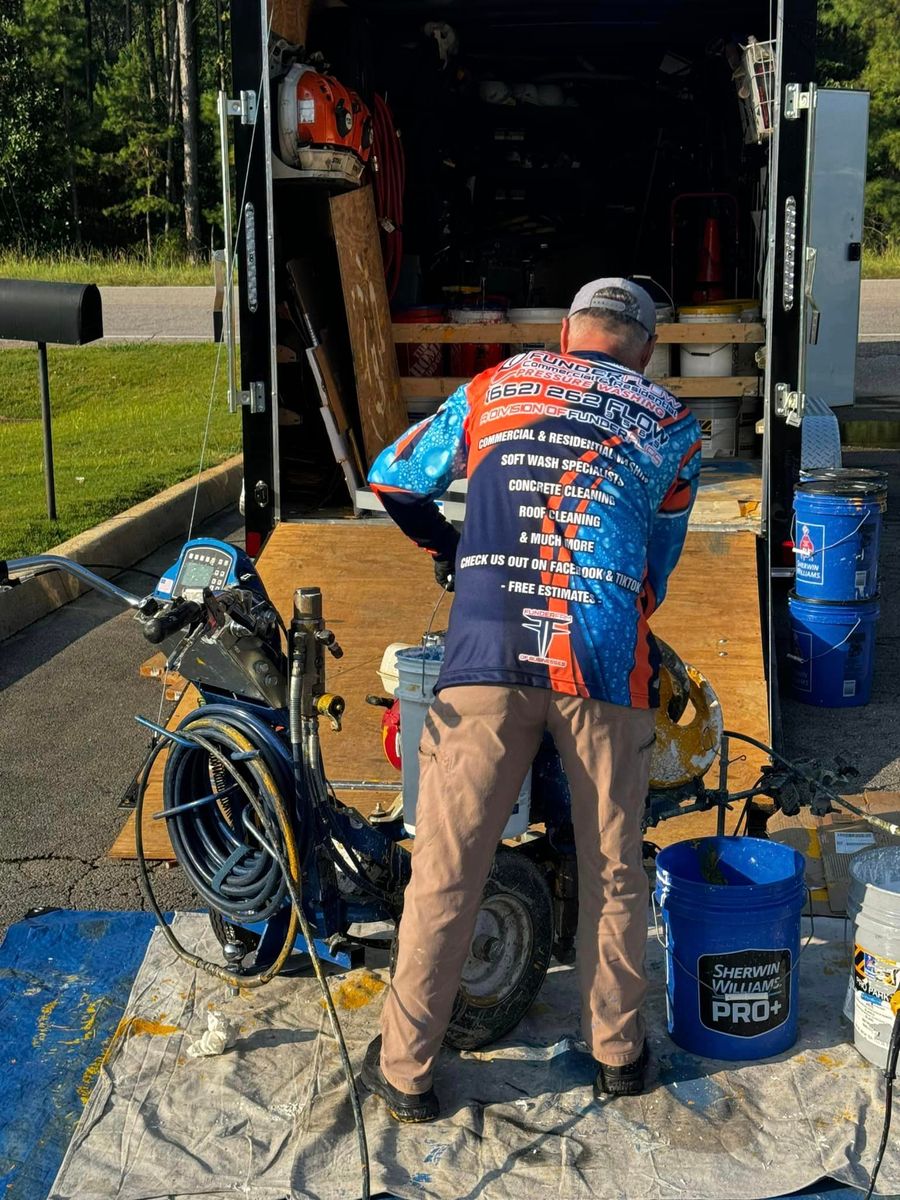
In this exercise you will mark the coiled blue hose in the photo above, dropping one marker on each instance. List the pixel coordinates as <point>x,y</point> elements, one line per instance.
<point>219,843</point>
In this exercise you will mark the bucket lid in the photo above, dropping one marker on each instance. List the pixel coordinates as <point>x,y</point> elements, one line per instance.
<point>844,481</point>
<point>720,308</point>
<point>878,869</point>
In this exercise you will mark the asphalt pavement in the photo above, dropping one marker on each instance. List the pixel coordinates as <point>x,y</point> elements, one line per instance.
<point>69,748</point>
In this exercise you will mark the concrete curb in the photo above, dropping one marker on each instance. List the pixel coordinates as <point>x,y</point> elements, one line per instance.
<point>123,540</point>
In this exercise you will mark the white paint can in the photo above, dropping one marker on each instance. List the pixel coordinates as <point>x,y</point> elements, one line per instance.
<point>718,420</point>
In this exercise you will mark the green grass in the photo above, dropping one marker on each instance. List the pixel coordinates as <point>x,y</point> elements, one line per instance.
<point>128,421</point>
<point>105,268</point>
<point>884,264</point>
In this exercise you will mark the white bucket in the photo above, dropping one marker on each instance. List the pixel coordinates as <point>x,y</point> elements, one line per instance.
<point>718,425</point>
<point>873,907</point>
<point>660,364</point>
<point>415,667</point>
<point>748,439</point>
<point>707,358</point>
<point>536,316</point>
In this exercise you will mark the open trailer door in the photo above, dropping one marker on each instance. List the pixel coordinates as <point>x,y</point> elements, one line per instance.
<point>811,305</point>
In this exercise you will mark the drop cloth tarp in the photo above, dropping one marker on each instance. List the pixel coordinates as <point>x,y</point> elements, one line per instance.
<point>270,1118</point>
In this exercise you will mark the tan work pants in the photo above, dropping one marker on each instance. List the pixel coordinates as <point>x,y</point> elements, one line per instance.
<point>477,746</point>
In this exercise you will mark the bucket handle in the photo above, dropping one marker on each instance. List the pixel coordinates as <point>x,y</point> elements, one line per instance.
<point>831,649</point>
<point>705,353</point>
<point>664,290</point>
<point>701,982</point>
<point>839,542</point>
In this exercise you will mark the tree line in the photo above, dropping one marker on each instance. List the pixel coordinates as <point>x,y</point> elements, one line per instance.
<point>108,118</point>
<point>107,123</point>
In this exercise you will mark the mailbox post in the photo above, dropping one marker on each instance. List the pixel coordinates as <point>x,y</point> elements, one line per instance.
<point>68,314</point>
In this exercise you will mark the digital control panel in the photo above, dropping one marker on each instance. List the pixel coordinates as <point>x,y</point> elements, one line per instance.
<point>207,563</point>
<point>202,567</point>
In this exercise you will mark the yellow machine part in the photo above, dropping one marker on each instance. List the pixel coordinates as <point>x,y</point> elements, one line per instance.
<point>685,749</point>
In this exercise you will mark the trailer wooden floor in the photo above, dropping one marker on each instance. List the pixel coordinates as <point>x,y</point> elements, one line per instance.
<point>378,589</point>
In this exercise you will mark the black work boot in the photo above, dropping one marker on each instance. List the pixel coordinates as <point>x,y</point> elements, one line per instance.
<point>627,1080</point>
<point>408,1107</point>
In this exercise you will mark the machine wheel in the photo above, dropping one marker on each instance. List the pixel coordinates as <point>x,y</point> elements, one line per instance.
<point>509,955</point>
<point>226,932</point>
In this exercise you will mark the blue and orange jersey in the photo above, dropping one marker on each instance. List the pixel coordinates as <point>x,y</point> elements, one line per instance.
<point>581,477</point>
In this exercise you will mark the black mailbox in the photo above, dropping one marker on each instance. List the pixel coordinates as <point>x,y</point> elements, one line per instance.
<point>66,313</point>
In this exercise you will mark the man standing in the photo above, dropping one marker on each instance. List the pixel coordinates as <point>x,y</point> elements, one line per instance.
<point>582,474</point>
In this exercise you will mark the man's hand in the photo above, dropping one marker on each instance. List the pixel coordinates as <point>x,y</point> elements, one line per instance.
<point>445,573</point>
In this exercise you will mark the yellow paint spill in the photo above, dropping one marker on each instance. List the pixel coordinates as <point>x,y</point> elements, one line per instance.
<point>127,1027</point>
<point>139,1027</point>
<point>92,1070</point>
<point>91,1012</point>
<point>827,1060</point>
<point>43,1022</point>
<point>357,991</point>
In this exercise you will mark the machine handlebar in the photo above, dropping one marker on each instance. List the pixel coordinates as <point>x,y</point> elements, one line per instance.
<point>39,563</point>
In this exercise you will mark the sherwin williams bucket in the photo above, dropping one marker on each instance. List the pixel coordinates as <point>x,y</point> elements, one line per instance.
<point>470,358</point>
<point>837,533</point>
<point>832,655</point>
<point>873,907</point>
<point>418,668</point>
<point>731,916</point>
<point>718,420</point>
<point>707,358</point>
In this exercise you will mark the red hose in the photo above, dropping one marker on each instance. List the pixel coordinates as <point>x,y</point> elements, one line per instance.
<point>389,182</point>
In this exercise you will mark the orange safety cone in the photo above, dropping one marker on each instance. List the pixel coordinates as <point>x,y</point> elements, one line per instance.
<point>709,285</point>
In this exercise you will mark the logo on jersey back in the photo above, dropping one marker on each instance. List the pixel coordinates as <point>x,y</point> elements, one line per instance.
<point>547,625</point>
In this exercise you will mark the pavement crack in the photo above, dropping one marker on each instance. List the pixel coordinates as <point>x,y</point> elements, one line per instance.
<point>21,859</point>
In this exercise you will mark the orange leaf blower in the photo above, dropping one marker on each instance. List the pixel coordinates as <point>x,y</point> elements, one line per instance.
<point>324,129</point>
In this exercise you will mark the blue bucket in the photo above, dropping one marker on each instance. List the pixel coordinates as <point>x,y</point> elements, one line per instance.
<point>837,531</point>
<point>832,655</point>
<point>731,914</point>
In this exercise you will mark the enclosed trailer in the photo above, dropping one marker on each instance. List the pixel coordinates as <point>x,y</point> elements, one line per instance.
<point>544,143</point>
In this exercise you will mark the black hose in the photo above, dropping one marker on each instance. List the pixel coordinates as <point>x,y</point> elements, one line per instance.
<point>890,1072</point>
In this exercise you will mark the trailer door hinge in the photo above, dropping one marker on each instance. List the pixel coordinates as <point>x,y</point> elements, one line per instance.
<point>795,101</point>
<point>789,404</point>
<point>254,398</point>
<point>245,108</point>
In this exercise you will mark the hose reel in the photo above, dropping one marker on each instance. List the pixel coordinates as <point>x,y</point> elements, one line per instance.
<point>228,847</point>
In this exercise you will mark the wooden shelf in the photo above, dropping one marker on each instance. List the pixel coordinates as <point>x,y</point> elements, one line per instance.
<point>669,334</point>
<point>680,385</point>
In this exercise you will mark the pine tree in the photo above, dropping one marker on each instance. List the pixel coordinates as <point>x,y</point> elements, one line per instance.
<point>138,164</point>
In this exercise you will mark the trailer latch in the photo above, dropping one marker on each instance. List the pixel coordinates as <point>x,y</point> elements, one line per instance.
<point>245,108</point>
<point>254,398</point>
<point>796,101</point>
<point>789,404</point>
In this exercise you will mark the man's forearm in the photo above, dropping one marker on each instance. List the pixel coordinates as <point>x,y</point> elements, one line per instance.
<point>421,520</point>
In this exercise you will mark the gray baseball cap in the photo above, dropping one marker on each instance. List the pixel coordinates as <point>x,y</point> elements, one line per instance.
<point>619,296</point>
